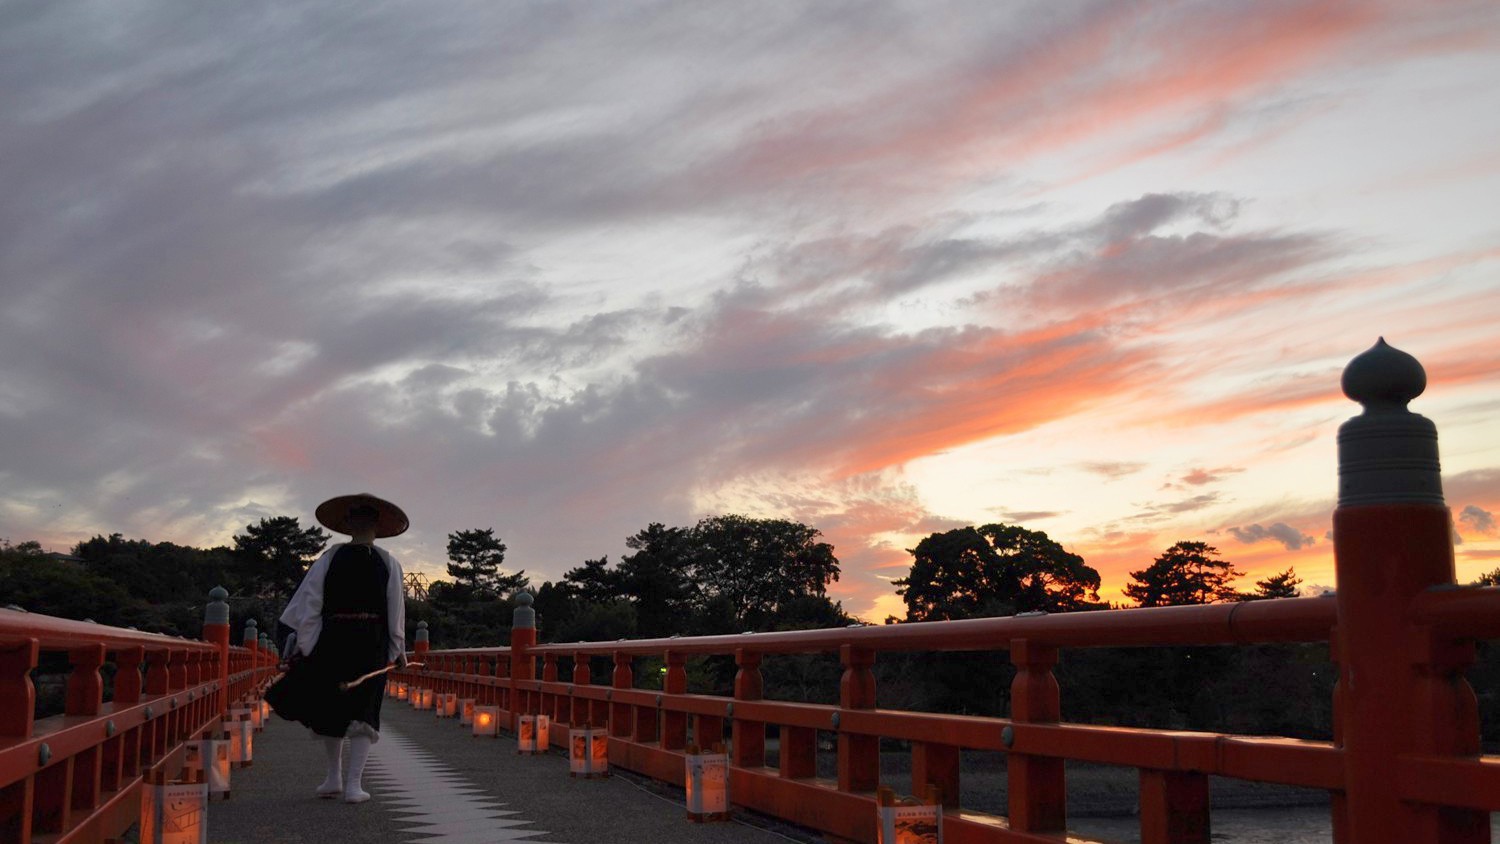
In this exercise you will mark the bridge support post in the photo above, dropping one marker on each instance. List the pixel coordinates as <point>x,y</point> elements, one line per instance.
<point>1401,690</point>
<point>749,736</point>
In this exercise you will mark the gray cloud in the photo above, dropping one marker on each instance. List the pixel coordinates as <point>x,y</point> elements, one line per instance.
<point>1112,470</point>
<point>1022,516</point>
<point>253,257</point>
<point>1290,538</point>
<point>1478,520</point>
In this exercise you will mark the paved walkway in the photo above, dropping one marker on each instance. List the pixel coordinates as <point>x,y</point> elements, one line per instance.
<point>432,781</point>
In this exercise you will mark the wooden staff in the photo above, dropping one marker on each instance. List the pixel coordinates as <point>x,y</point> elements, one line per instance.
<point>346,686</point>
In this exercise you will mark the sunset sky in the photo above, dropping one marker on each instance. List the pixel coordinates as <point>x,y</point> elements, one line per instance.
<point>563,270</point>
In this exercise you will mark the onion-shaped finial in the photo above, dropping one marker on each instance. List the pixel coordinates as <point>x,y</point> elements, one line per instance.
<point>1384,377</point>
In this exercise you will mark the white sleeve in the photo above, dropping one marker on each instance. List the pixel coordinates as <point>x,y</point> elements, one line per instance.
<point>395,598</point>
<point>304,612</point>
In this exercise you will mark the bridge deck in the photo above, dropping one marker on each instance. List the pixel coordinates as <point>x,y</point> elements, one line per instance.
<point>431,781</point>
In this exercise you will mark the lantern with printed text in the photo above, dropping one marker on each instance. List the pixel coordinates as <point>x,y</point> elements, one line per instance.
<point>909,821</point>
<point>486,720</point>
<point>207,761</point>
<point>466,711</point>
<point>241,741</point>
<point>447,705</point>
<point>424,698</point>
<point>706,779</point>
<point>533,733</point>
<point>400,691</point>
<point>174,813</point>
<point>588,752</point>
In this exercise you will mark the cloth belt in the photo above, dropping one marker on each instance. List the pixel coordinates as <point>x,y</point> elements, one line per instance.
<point>353,616</point>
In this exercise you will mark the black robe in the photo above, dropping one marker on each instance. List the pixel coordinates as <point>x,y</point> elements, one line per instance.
<point>354,641</point>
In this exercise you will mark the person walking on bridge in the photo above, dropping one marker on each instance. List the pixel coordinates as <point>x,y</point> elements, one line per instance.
<point>346,620</point>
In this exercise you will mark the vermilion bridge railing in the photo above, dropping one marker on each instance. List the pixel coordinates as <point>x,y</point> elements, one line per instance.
<point>77,776</point>
<point>1404,764</point>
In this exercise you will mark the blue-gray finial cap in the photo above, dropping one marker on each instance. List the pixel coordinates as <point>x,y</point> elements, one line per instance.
<point>252,633</point>
<point>1387,454</point>
<point>217,611</point>
<point>1384,378</point>
<point>422,635</point>
<point>523,616</point>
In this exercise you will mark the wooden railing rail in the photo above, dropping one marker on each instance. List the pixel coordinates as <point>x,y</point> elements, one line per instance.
<point>76,776</point>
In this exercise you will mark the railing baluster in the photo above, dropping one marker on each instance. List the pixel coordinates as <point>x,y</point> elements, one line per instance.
<point>85,686</point>
<point>935,765</point>
<point>859,755</point>
<point>17,693</point>
<point>1174,807</point>
<point>1036,786</point>
<point>749,736</point>
<point>674,722</point>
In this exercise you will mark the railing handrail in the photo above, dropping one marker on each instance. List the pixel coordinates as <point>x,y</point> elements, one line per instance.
<point>1245,622</point>
<point>54,633</point>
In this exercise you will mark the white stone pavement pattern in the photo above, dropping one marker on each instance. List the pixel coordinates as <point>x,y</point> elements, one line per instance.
<point>432,781</point>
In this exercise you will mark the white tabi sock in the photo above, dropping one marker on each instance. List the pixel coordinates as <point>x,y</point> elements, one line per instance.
<point>334,782</point>
<point>359,750</point>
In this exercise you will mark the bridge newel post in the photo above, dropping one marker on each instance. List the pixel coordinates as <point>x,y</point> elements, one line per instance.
<point>749,736</point>
<point>522,661</point>
<point>1401,688</point>
<point>859,755</point>
<point>1036,785</point>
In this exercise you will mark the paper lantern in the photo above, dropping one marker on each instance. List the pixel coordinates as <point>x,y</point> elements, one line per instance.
<point>241,741</point>
<point>174,813</point>
<point>265,712</point>
<point>466,711</point>
<point>486,720</point>
<point>588,752</point>
<point>706,779</point>
<point>447,705</point>
<point>533,734</point>
<point>400,691</point>
<point>207,761</point>
<point>257,717</point>
<point>908,821</point>
<point>423,699</point>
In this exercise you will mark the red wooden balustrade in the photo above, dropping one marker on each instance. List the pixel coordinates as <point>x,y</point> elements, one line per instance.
<point>77,776</point>
<point>1404,765</point>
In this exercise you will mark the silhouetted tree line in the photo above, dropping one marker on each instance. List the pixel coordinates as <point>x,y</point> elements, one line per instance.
<point>731,574</point>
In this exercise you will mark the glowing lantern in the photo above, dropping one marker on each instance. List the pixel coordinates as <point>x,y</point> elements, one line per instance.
<point>174,813</point>
<point>257,717</point>
<point>533,734</point>
<point>207,761</point>
<point>466,711</point>
<point>447,705</point>
<point>909,821</point>
<point>422,698</point>
<point>400,691</point>
<point>265,713</point>
<point>486,720</point>
<point>706,778</point>
<point>588,752</point>
<point>241,741</point>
